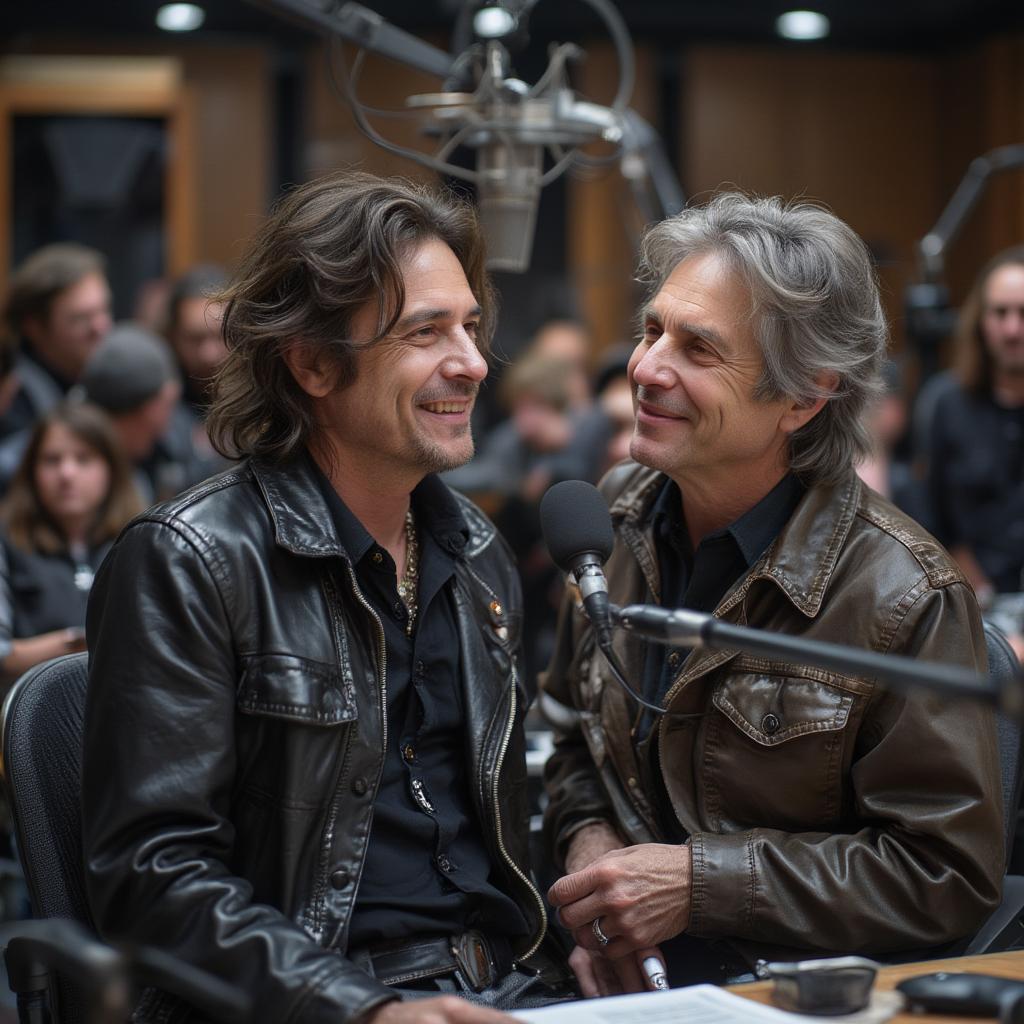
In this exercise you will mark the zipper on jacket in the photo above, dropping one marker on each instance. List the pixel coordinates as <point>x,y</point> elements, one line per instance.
<point>383,652</point>
<point>383,688</point>
<point>499,829</point>
<point>512,704</point>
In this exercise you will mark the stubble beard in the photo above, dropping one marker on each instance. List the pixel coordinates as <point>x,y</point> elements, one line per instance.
<point>432,457</point>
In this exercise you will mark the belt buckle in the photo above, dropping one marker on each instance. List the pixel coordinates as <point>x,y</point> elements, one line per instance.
<point>474,960</point>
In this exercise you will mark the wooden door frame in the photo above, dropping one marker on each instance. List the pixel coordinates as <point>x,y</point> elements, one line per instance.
<point>115,87</point>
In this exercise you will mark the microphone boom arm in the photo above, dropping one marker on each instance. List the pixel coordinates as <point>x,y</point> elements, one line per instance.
<point>900,673</point>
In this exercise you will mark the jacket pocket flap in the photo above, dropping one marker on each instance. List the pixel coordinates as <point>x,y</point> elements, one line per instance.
<point>773,709</point>
<point>286,686</point>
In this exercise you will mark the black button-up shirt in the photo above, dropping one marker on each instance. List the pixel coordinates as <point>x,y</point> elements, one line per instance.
<point>698,580</point>
<point>426,870</point>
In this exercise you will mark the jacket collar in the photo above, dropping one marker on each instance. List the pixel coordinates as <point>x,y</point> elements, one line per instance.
<point>302,521</point>
<point>800,561</point>
<point>303,524</point>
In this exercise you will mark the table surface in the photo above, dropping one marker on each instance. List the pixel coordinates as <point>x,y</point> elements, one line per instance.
<point>1005,965</point>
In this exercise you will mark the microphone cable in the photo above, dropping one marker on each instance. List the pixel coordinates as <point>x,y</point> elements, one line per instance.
<point>619,675</point>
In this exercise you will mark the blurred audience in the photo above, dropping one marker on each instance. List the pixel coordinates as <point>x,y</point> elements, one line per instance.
<point>133,378</point>
<point>614,397</point>
<point>69,498</point>
<point>975,457</point>
<point>543,440</point>
<point>551,434</point>
<point>58,310</point>
<point>194,330</point>
<point>974,461</point>
<point>887,470</point>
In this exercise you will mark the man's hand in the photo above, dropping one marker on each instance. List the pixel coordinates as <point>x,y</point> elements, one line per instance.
<point>438,1010</point>
<point>599,976</point>
<point>640,895</point>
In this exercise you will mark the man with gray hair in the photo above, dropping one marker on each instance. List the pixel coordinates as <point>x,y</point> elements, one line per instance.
<point>766,809</point>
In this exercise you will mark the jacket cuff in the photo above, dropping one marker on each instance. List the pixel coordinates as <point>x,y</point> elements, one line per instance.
<point>342,998</point>
<point>724,883</point>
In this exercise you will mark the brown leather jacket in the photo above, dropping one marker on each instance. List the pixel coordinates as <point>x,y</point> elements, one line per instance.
<point>825,813</point>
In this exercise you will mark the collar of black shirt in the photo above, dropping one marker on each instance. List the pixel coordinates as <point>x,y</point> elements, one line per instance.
<point>436,508</point>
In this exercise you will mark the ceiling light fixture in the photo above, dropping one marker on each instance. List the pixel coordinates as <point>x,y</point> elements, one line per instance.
<point>493,22</point>
<point>180,17</point>
<point>802,25</point>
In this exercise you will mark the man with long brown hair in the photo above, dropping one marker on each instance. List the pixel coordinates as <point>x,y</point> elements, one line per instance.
<point>304,761</point>
<point>975,456</point>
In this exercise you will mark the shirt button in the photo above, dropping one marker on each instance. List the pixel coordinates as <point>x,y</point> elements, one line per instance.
<point>359,786</point>
<point>770,723</point>
<point>673,659</point>
<point>339,878</point>
<point>409,753</point>
<point>377,558</point>
<point>444,863</point>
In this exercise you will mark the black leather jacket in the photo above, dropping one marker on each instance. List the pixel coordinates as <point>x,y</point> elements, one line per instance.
<point>234,738</point>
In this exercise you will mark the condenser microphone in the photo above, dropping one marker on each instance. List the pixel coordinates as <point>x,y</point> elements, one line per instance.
<point>577,529</point>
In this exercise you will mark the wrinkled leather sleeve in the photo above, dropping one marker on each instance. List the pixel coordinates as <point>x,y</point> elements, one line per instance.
<point>576,795</point>
<point>158,775</point>
<point>926,867</point>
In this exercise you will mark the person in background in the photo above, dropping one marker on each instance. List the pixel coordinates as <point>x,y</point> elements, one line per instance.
<point>67,501</point>
<point>195,332</point>
<point>568,342</point>
<point>544,440</point>
<point>975,454</point>
<point>884,470</point>
<point>613,395</point>
<point>58,308</point>
<point>132,377</point>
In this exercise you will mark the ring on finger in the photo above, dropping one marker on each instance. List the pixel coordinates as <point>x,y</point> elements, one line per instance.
<point>595,927</point>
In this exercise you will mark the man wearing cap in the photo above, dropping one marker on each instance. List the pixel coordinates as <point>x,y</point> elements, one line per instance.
<point>133,378</point>
<point>304,763</point>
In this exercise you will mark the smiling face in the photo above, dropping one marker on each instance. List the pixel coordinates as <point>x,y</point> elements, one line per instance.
<point>693,377</point>
<point>407,411</point>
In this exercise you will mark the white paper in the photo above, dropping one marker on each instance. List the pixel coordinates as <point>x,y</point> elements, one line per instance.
<point>698,1004</point>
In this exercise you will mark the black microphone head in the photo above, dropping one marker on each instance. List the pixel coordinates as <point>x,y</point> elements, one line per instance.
<point>575,520</point>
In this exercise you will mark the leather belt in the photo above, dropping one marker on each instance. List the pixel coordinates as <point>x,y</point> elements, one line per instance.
<point>478,961</point>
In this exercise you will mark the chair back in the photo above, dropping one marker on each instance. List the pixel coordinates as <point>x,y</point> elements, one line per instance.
<point>41,729</point>
<point>1003,670</point>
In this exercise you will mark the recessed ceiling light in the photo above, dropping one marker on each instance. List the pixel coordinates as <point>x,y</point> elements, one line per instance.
<point>493,22</point>
<point>802,25</point>
<point>180,17</point>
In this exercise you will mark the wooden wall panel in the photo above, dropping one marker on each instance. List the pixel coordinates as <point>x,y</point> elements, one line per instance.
<point>856,132</point>
<point>230,136</point>
<point>602,220</point>
<point>334,142</point>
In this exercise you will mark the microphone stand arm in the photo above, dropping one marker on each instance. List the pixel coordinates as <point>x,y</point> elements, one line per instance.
<point>932,248</point>
<point>698,629</point>
<point>367,29</point>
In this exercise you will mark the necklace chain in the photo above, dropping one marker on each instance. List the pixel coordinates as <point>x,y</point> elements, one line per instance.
<point>408,585</point>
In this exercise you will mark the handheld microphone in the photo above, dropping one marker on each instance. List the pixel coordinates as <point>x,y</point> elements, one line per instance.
<point>577,529</point>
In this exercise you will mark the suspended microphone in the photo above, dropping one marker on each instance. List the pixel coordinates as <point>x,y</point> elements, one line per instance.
<point>577,529</point>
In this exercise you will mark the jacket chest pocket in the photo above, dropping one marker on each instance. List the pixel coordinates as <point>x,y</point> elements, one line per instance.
<point>774,752</point>
<point>293,717</point>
